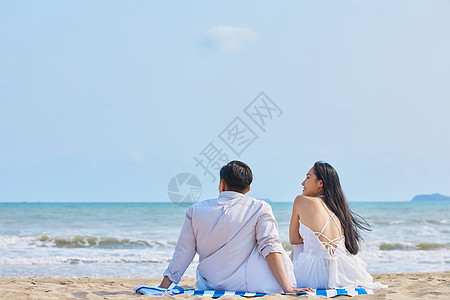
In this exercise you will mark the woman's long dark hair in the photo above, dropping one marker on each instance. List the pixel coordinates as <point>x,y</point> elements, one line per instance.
<point>352,223</point>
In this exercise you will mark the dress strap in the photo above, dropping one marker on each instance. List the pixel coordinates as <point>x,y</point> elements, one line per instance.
<point>329,242</point>
<point>332,216</point>
<point>337,225</point>
<point>325,206</point>
<point>326,224</point>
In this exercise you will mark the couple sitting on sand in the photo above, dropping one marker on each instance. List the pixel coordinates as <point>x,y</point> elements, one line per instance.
<point>236,238</point>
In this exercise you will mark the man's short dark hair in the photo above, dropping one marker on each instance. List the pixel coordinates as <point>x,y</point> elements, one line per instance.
<point>237,176</point>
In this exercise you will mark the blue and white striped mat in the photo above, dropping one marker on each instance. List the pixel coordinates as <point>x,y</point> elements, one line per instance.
<point>153,290</point>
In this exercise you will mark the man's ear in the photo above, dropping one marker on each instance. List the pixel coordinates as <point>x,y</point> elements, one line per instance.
<point>247,190</point>
<point>222,186</point>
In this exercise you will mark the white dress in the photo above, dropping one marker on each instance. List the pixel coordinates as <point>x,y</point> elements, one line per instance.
<point>327,265</point>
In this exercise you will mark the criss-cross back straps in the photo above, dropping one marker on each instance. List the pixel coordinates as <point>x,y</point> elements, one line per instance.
<point>329,244</point>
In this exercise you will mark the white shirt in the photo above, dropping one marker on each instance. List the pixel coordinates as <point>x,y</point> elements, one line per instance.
<point>232,236</point>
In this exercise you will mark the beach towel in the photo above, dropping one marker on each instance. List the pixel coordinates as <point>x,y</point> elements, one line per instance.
<point>176,290</point>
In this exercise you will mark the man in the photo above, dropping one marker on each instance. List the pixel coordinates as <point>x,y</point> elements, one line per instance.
<point>237,241</point>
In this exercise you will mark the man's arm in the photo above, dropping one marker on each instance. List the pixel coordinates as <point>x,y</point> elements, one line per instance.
<point>276,265</point>
<point>183,254</point>
<point>165,283</point>
<point>269,245</point>
<point>267,232</point>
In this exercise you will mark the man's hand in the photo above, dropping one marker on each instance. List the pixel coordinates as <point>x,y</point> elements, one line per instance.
<point>165,283</point>
<point>276,265</point>
<point>295,291</point>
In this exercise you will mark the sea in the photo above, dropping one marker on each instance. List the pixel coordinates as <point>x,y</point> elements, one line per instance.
<point>138,239</point>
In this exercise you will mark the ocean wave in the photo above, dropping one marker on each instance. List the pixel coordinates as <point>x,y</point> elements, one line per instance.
<point>62,260</point>
<point>7,221</point>
<point>413,246</point>
<point>79,241</point>
<point>411,221</point>
<point>442,221</point>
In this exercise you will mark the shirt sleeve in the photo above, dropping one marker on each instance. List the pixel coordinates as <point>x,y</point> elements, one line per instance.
<point>184,251</point>
<point>267,232</point>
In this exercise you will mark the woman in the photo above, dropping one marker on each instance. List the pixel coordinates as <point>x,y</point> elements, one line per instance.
<point>326,235</point>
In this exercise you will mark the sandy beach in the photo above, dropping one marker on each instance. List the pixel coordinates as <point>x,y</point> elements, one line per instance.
<point>427,285</point>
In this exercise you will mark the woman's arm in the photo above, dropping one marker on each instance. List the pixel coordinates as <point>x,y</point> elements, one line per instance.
<point>294,235</point>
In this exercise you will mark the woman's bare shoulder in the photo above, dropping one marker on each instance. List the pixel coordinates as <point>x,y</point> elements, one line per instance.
<point>302,200</point>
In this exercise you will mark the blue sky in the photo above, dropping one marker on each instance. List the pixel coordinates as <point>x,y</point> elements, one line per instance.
<point>109,100</point>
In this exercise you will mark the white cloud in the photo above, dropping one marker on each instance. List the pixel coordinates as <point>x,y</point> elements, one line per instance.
<point>231,39</point>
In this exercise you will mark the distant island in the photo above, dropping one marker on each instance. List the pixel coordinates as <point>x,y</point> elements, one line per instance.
<point>433,197</point>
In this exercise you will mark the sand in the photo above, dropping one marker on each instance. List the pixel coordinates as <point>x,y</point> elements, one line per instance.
<point>434,285</point>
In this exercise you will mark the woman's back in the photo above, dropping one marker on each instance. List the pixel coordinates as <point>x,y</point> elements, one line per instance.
<point>317,217</point>
<point>325,235</point>
<point>322,261</point>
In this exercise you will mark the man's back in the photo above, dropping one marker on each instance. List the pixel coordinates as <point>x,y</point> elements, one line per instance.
<point>226,230</point>
<point>232,235</point>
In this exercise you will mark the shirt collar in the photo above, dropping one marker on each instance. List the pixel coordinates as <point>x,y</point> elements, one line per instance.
<point>230,195</point>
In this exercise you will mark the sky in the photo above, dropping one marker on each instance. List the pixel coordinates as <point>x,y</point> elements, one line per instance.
<point>110,100</point>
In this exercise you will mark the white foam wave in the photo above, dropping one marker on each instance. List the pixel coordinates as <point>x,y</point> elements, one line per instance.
<point>61,260</point>
<point>79,241</point>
